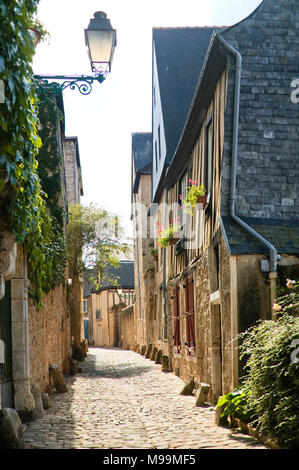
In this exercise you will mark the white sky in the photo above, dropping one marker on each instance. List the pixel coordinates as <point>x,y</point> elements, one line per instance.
<point>105,120</point>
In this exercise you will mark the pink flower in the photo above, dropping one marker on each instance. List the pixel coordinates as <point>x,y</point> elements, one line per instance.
<point>276,307</point>
<point>290,283</point>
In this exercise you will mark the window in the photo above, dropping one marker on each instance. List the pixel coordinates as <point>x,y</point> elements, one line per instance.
<point>176,320</point>
<point>156,155</point>
<point>209,156</point>
<point>84,306</point>
<point>159,141</point>
<point>189,308</point>
<point>183,189</point>
<point>183,186</point>
<point>98,314</point>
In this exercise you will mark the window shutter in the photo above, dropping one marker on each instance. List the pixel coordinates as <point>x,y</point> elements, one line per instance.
<point>176,320</point>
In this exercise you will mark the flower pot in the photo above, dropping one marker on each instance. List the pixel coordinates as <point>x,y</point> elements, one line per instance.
<point>176,237</point>
<point>202,200</point>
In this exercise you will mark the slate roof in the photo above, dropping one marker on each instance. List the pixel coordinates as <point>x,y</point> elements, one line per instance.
<point>142,149</point>
<point>180,54</point>
<point>141,156</point>
<point>282,234</point>
<point>124,275</point>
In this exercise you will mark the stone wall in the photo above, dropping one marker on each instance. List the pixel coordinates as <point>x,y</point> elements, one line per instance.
<point>48,336</point>
<point>143,260</point>
<point>72,171</point>
<point>127,328</point>
<point>225,280</point>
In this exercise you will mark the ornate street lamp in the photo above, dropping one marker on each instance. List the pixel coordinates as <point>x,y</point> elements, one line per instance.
<point>100,39</point>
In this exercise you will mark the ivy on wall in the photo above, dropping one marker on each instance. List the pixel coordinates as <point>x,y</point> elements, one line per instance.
<point>50,157</point>
<point>27,213</point>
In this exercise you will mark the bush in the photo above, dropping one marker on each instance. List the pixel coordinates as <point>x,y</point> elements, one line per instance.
<point>272,383</point>
<point>235,405</point>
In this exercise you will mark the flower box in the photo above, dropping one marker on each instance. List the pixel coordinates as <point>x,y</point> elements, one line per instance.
<point>176,237</point>
<point>203,200</point>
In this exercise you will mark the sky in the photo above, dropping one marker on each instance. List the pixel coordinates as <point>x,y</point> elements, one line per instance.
<point>105,120</point>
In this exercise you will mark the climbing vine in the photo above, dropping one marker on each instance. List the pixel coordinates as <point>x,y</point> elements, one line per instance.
<point>27,213</point>
<point>50,157</point>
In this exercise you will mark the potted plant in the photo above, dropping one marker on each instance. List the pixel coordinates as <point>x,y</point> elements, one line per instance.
<point>169,235</point>
<point>154,253</point>
<point>196,194</point>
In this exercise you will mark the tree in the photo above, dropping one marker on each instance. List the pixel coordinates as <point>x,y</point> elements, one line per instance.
<point>95,241</point>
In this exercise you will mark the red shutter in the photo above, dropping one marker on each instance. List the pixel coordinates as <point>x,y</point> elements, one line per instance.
<point>190,324</point>
<point>176,320</point>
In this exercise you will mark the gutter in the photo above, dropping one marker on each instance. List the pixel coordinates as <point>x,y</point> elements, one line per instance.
<point>238,68</point>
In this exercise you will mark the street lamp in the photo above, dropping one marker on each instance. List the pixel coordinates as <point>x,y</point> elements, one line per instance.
<point>100,39</point>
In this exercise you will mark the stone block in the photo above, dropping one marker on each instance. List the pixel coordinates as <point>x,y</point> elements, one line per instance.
<point>165,364</point>
<point>38,411</point>
<point>202,394</point>
<point>159,357</point>
<point>73,366</point>
<point>220,420</point>
<point>149,351</point>
<point>154,354</point>
<point>188,388</point>
<point>11,430</point>
<point>46,401</point>
<point>142,350</point>
<point>58,378</point>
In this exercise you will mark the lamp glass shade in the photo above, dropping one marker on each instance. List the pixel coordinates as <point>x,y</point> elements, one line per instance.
<point>101,41</point>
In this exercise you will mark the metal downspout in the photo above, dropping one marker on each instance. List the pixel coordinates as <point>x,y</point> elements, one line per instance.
<point>164,289</point>
<point>272,249</point>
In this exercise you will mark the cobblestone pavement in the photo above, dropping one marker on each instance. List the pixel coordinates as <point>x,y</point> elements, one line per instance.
<point>121,400</point>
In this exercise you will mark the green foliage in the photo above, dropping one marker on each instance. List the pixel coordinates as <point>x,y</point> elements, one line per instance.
<point>288,303</point>
<point>93,242</point>
<point>272,383</point>
<point>235,405</point>
<point>27,214</point>
<point>195,190</point>
<point>50,158</point>
<point>165,235</point>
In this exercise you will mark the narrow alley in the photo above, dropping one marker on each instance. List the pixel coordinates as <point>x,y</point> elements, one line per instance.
<point>121,400</point>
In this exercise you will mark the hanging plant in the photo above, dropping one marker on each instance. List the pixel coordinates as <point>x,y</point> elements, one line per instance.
<point>196,194</point>
<point>169,235</point>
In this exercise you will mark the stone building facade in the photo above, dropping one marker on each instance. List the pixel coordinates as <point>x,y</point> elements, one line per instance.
<point>72,169</point>
<point>33,339</point>
<point>104,304</point>
<point>239,140</point>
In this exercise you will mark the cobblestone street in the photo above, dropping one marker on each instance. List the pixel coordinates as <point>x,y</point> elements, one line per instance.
<point>121,400</point>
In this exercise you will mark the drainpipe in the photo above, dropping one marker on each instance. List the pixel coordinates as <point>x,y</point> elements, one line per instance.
<point>273,253</point>
<point>164,289</point>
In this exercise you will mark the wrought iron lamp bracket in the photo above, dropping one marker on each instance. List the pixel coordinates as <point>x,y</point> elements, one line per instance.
<point>49,86</point>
